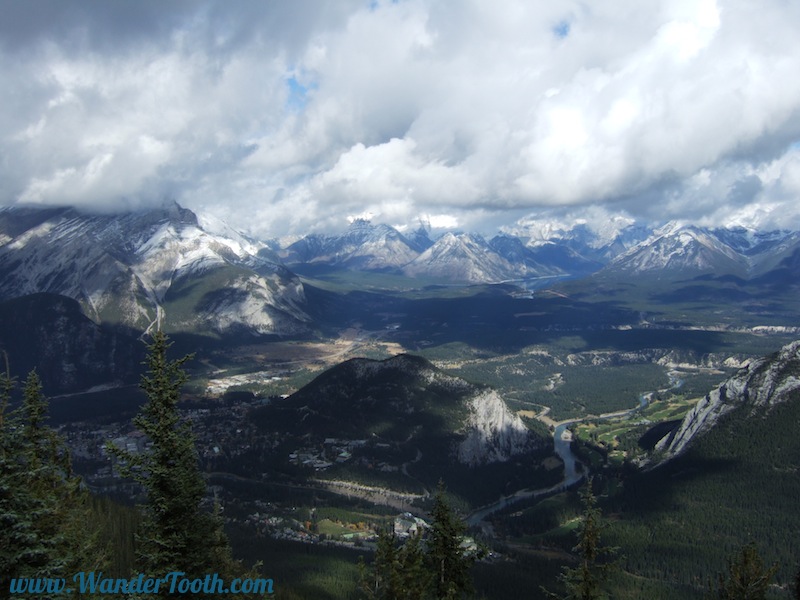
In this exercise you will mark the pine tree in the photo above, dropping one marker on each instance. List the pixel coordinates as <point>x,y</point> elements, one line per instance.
<point>23,550</point>
<point>43,511</point>
<point>747,579</point>
<point>415,579</point>
<point>446,557</point>
<point>385,580</point>
<point>34,406</point>
<point>176,533</point>
<point>585,582</point>
<point>434,565</point>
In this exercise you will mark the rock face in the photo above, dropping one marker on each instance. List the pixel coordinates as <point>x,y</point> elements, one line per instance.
<point>158,266</point>
<point>494,433</point>
<point>406,402</point>
<point>761,384</point>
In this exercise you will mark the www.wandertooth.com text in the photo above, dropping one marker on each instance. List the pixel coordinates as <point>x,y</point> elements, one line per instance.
<point>175,582</point>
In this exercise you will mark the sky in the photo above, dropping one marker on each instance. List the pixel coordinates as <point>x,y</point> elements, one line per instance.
<point>284,117</point>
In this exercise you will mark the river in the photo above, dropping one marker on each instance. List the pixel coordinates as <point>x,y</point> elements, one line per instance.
<point>573,473</point>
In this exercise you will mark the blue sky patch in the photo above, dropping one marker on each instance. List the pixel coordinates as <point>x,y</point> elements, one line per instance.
<point>561,29</point>
<point>298,94</point>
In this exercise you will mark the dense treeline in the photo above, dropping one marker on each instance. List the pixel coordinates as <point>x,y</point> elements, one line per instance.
<point>719,520</point>
<point>53,528</point>
<point>737,484</point>
<point>569,390</point>
<point>45,515</point>
<point>435,563</point>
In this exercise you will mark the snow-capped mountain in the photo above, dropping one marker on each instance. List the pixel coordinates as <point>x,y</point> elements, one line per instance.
<point>137,268</point>
<point>678,248</point>
<point>749,242</point>
<point>537,248</point>
<point>140,268</point>
<point>362,246</point>
<point>420,238</point>
<point>464,257</point>
<point>600,241</point>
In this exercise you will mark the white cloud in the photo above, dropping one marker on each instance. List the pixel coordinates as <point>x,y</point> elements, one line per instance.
<point>287,117</point>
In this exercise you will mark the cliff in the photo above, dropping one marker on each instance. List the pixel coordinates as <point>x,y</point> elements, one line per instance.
<point>760,384</point>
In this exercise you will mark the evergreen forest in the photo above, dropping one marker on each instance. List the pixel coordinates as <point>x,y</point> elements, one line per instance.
<point>696,527</point>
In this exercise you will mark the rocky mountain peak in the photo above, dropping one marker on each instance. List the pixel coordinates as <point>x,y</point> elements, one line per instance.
<point>683,248</point>
<point>121,268</point>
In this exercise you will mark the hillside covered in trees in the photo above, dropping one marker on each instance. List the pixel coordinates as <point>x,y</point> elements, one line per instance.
<point>719,518</point>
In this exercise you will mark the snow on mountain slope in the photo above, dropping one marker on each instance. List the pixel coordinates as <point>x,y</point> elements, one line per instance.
<point>678,248</point>
<point>601,239</point>
<point>465,257</point>
<point>362,246</point>
<point>749,242</point>
<point>120,267</point>
<point>543,248</point>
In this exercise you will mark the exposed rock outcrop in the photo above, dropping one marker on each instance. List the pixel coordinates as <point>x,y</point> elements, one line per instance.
<point>494,433</point>
<point>407,404</point>
<point>760,384</point>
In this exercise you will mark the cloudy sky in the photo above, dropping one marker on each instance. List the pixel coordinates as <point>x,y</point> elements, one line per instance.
<point>284,116</point>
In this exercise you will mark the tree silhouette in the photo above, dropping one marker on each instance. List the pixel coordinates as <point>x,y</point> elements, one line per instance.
<point>747,578</point>
<point>45,516</point>
<point>435,563</point>
<point>176,534</point>
<point>586,581</point>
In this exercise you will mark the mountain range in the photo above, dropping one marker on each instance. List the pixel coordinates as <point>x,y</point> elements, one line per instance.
<point>128,268</point>
<point>195,275</point>
<point>77,290</point>
<point>673,250</point>
<point>132,269</point>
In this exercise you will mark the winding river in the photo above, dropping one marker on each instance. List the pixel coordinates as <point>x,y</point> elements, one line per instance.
<point>573,473</point>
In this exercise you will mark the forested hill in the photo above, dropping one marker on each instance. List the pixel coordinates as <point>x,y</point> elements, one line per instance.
<point>759,386</point>
<point>739,482</point>
<point>398,399</point>
<point>69,351</point>
<point>412,420</point>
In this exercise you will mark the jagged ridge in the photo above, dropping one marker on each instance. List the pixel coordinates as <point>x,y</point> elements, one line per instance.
<point>761,384</point>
